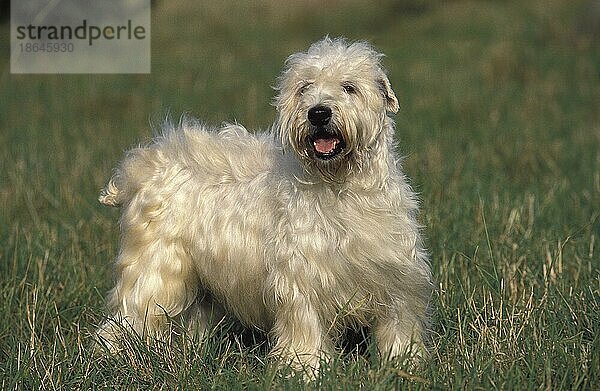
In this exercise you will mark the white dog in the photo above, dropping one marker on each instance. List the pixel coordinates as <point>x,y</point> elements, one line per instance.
<point>302,232</point>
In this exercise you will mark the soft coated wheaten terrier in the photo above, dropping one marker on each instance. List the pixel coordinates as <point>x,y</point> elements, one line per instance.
<point>302,232</point>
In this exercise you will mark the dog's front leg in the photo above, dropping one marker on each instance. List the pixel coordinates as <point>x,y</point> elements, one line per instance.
<point>299,338</point>
<point>399,332</point>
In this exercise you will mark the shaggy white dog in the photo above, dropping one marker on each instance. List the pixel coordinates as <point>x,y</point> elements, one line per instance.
<point>301,232</point>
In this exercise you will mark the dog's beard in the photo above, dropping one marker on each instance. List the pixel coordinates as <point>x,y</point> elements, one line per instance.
<point>325,150</point>
<point>330,152</point>
<point>325,143</point>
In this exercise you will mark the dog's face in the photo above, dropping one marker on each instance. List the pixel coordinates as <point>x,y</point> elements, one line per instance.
<point>332,103</point>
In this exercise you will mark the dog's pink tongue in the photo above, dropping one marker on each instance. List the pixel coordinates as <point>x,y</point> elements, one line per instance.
<point>325,145</point>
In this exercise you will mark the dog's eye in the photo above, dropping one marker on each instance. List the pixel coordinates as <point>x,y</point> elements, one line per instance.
<point>303,88</point>
<point>349,88</point>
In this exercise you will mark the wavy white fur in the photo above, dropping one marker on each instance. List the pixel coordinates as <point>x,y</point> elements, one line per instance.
<point>299,246</point>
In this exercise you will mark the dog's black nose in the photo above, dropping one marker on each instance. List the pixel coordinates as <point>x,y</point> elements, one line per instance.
<point>319,115</point>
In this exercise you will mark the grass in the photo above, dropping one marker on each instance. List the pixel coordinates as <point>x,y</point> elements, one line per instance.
<point>500,127</point>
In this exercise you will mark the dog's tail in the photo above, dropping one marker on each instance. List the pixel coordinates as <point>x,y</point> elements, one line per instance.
<point>135,171</point>
<point>111,195</point>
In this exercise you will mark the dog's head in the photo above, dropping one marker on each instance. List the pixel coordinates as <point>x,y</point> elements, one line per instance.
<point>332,104</point>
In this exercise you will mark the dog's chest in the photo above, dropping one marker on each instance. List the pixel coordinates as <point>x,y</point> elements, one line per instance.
<point>345,250</point>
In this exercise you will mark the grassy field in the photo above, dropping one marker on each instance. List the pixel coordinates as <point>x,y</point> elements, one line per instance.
<point>500,126</point>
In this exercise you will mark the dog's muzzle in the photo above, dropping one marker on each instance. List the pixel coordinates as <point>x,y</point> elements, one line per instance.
<point>324,141</point>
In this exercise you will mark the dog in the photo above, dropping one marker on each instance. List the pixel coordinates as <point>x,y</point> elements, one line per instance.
<point>303,231</point>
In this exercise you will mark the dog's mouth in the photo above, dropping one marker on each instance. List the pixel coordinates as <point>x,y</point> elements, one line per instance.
<point>327,145</point>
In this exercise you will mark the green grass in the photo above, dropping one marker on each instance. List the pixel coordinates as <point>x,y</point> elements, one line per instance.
<point>500,126</point>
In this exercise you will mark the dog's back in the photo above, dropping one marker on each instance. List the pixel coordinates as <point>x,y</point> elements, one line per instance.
<point>231,152</point>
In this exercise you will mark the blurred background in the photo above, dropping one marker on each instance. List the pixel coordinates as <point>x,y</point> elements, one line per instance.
<point>499,124</point>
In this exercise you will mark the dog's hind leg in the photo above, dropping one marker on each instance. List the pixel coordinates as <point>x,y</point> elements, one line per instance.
<point>204,313</point>
<point>155,281</point>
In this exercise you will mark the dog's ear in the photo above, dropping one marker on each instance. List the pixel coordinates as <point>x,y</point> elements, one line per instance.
<point>388,94</point>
